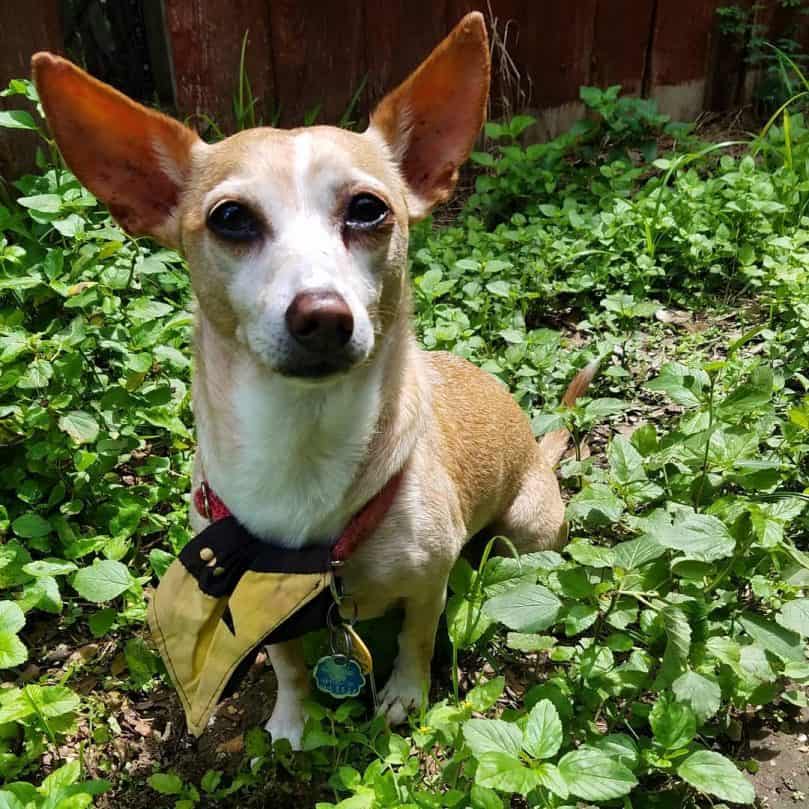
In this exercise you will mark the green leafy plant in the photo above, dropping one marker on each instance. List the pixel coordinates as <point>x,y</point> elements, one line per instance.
<point>621,669</point>
<point>741,23</point>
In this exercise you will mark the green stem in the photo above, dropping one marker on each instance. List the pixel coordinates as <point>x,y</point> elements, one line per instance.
<point>698,497</point>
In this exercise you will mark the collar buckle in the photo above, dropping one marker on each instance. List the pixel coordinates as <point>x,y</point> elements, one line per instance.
<point>206,502</point>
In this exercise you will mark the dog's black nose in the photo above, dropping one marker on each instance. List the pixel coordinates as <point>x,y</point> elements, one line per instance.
<point>320,321</point>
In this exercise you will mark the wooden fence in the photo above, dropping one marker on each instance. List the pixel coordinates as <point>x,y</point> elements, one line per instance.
<point>308,57</point>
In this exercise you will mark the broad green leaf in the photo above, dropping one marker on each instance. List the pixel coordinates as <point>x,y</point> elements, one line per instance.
<point>165,783</point>
<point>794,615</point>
<point>42,203</point>
<point>703,695</point>
<point>579,618</point>
<point>673,723</point>
<point>585,553</point>
<point>80,426</point>
<point>699,536</point>
<point>484,798</point>
<point>529,642</point>
<point>685,386</point>
<point>542,736</point>
<point>550,778</point>
<point>500,288</point>
<point>31,526</point>
<point>143,309</point>
<point>160,561</point>
<point>11,617</point>
<point>364,799</point>
<point>102,581</point>
<point>626,463</point>
<point>599,409</point>
<point>141,661</point>
<point>49,701</point>
<point>713,774</point>
<point>484,696</point>
<point>12,650</point>
<point>678,647</point>
<point>634,553</point>
<point>783,643</point>
<point>101,622</point>
<point>466,621</point>
<point>53,701</point>
<point>751,394</point>
<point>619,746</point>
<point>492,736</point>
<point>594,776</point>
<point>595,504</point>
<point>49,567</point>
<point>8,800</point>
<point>527,608</point>
<point>42,594</point>
<point>16,119</point>
<point>505,773</point>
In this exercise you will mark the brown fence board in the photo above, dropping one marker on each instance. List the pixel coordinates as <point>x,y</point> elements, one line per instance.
<point>682,35</point>
<point>304,54</point>
<point>25,28</point>
<point>620,44</point>
<point>422,24</point>
<point>680,51</point>
<point>727,66</point>
<point>319,56</point>
<point>205,38</point>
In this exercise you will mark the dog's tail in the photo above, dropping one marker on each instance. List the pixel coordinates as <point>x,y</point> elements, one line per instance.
<point>553,444</point>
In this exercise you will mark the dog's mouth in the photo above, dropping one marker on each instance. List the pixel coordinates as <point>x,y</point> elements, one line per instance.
<point>316,370</point>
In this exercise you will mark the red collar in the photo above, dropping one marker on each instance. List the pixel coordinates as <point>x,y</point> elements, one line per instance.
<point>359,528</point>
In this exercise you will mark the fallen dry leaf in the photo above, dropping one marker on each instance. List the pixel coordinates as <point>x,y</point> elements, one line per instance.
<point>232,746</point>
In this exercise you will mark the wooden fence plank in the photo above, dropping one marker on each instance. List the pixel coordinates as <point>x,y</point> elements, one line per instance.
<point>305,54</point>
<point>319,57</point>
<point>25,28</point>
<point>727,66</point>
<point>205,38</point>
<point>548,49</point>
<point>620,44</point>
<point>680,54</point>
<point>397,40</point>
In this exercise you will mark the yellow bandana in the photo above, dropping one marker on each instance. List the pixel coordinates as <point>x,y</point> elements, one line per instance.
<point>225,596</point>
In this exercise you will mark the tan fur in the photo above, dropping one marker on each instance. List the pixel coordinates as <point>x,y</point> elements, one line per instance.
<point>467,449</point>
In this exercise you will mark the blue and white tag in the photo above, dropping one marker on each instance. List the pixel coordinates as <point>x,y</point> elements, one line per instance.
<point>339,676</point>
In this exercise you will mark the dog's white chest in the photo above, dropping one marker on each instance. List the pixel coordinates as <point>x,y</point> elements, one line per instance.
<point>295,453</point>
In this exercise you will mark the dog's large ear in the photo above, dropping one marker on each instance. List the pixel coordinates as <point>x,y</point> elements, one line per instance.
<point>431,121</point>
<point>133,159</point>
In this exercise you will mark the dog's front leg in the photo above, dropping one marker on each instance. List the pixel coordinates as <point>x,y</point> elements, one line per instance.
<point>288,715</point>
<point>410,678</point>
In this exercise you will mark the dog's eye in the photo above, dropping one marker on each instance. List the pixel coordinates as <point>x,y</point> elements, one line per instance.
<point>365,211</point>
<point>234,222</point>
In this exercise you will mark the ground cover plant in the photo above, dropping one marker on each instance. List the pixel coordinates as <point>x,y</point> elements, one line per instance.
<point>627,670</point>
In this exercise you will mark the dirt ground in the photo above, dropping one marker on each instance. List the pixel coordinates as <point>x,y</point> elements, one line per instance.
<point>782,753</point>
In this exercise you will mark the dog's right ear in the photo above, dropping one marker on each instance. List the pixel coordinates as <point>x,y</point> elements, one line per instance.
<point>133,159</point>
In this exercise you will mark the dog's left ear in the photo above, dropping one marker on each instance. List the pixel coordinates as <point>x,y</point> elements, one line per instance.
<point>431,121</point>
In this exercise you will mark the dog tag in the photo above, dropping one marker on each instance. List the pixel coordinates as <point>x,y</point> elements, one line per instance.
<point>359,651</point>
<point>362,654</point>
<point>339,676</point>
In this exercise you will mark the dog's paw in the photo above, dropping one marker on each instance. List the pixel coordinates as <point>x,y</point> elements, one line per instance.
<point>402,693</point>
<point>287,722</point>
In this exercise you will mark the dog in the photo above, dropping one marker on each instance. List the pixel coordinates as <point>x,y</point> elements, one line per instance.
<point>310,391</point>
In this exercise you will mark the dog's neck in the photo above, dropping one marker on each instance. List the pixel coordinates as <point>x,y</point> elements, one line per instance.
<point>293,462</point>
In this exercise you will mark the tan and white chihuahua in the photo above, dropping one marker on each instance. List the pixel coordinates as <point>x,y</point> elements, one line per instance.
<point>311,392</point>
